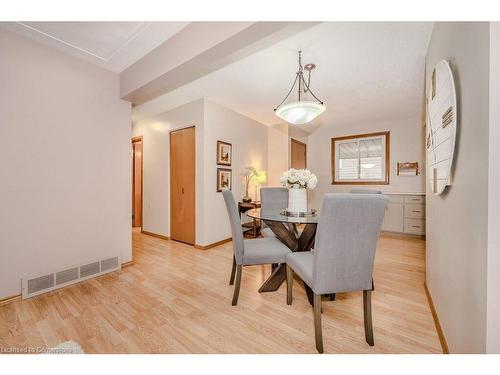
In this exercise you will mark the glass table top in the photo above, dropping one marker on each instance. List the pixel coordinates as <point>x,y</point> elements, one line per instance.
<point>276,215</point>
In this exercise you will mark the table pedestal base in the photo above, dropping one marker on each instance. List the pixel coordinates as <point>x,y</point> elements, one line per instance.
<point>274,281</point>
<point>287,235</point>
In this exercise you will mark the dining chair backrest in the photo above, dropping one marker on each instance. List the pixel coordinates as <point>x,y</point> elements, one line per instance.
<point>273,199</point>
<point>346,239</point>
<point>236,230</point>
<point>365,191</point>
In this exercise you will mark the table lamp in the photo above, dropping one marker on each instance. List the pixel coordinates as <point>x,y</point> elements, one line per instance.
<point>259,180</point>
<point>258,177</point>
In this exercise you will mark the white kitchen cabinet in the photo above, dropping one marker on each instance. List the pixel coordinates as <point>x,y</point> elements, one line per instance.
<point>393,219</point>
<point>405,213</point>
<point>414,226</point>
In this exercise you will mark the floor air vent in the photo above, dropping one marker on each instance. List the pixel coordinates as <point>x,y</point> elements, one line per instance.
<point>89,269</point>
<point>66,276</point>
<point>109,264</point>
<point>40,283</point>
<point>36,285</point>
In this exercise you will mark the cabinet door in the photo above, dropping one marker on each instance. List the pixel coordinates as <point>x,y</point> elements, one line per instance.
<point>393,220</point>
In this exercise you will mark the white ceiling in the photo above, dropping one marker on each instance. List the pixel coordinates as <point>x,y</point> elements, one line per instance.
<point>366,72</point>
<point>112,45</point>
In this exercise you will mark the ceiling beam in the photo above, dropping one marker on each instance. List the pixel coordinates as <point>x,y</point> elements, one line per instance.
<point>199,49</point>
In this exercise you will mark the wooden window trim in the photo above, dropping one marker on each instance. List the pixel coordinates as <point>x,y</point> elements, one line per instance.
<point>385,181</point>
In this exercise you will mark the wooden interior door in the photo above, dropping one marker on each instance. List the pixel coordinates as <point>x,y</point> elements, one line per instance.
<point>182,185</point>
<point>137,182</point>
<point>298,154</point>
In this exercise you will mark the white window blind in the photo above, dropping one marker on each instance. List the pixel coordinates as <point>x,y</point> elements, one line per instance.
<point>348,160</point>
<point>370,159</point>
<point>360,159</point>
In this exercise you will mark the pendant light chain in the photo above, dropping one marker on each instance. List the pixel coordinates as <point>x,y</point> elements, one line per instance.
<point>310,91</point>
<point>289,92</point>
<point>299,76</point>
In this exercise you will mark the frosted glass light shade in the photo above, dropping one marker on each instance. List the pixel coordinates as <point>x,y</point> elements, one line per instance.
<point>260,178</point>
<point>299,113</point>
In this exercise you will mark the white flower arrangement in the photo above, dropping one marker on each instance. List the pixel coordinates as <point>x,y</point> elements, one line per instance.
<point>299,179</point>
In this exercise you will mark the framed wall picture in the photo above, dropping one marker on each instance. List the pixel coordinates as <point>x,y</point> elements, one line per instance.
<point>224,179</point>
<point>224,153</point>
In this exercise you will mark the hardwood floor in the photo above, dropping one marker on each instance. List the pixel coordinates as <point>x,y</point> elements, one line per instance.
<point>176,299</point>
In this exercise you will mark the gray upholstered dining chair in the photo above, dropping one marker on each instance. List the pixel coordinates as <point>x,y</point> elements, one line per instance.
<point>343,255</point>
<point>249,252</point>
<point>272,199</point>
<point>365,191</point>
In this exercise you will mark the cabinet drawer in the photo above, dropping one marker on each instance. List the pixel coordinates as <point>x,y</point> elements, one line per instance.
<point>420,199</point>
<point>414,211</point>
<point>414,226</point>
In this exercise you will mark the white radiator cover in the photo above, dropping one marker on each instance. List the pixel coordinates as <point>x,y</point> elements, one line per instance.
<point>42,283</point>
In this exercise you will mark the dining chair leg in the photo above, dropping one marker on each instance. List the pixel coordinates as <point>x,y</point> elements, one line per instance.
<point>367,310</point>
<point>289,285</point>
<point>318,334</point>
<point>237,285</point>
<point>233,271</point>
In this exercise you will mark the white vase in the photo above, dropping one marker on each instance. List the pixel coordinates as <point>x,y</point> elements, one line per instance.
<point>297,200</point>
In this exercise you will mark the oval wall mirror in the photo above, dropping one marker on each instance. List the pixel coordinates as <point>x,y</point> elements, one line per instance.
<point>441,127</point>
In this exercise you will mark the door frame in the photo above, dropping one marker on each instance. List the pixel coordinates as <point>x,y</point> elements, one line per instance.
<point>136,139</point>
<point>292,140</point>
<point>170,178</point>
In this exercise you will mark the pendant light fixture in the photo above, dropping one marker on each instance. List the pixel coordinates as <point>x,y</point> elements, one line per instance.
<point>301,111</point>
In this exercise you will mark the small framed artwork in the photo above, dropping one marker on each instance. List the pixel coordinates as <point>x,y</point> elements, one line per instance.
<point>224,153</point>
<point>224,179</point>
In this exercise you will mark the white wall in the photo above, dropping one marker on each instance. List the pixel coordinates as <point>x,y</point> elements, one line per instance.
<point>213,122</point>
<point>457,221</point>
<point>407,144</point>
<point>249,140</point>
<point>278,151</point>
<point>156,165</point>
<point>493,289</point>
<point>66,163</point>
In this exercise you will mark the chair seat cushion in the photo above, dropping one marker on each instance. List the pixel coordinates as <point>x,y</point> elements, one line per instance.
<point>264,251</point>
<point>267,232</point>
<point>302,264</point>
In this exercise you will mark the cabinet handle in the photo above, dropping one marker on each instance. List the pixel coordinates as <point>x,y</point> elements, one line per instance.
<point>417,212</point>
<point>416,226</point>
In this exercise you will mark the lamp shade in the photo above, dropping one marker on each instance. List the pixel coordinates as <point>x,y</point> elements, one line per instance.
<point>260,178</point>
<point>298,113</point>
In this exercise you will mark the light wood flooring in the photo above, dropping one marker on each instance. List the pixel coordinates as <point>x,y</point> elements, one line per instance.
<point>176,299</point>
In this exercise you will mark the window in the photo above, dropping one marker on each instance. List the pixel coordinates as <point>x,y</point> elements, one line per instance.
<point>361,159</point>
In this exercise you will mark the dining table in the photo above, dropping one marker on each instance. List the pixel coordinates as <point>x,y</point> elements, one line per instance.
<point>296,232</point>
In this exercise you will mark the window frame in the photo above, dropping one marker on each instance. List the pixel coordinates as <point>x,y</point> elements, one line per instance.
<point>386,175</point>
